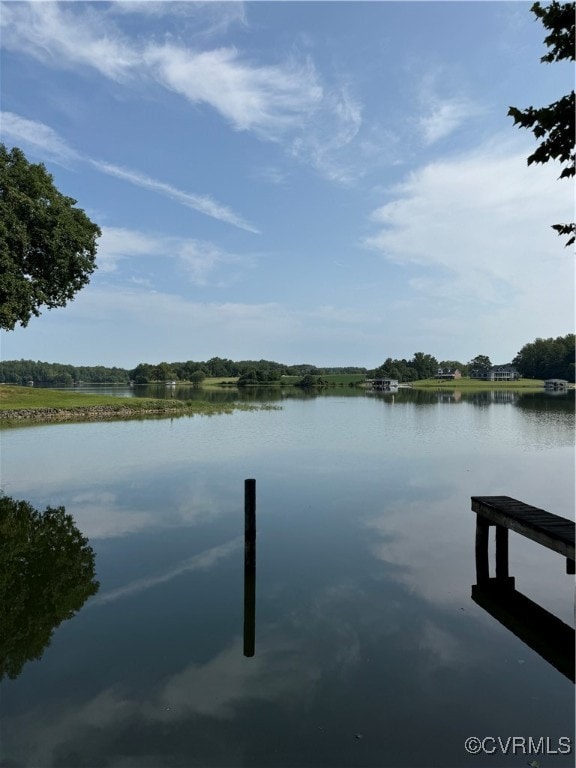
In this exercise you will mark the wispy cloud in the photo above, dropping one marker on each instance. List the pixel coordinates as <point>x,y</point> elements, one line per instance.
<point>198,259</point>
<point>270,175</point>
<point>200,203</point>
<point>41,138</point>
<point>479,224</point>
<point>202,19</point>
<point>266,99</point>
<point>444,108</point>
<point>285,102</point>
<point>327,141</point>
<point>444,117</point>
<point>63,38</point>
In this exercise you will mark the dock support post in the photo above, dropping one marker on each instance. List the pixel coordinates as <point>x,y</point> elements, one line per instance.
<point>501,553</point>
<point>482,569</point>
<point>249,567</point>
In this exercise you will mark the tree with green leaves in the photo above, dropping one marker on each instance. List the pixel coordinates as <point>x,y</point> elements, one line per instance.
<point>480,363</point>
<point>47,246</point>
<point>547,358</point>
<point>554,124</point>
<point>197,377</point>
<point>47,573</point>
<point>426,366</point>
<point>163,372</point>
<point>454,365</point>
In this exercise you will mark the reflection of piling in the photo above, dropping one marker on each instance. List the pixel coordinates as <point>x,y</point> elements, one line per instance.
<point>249,566</point>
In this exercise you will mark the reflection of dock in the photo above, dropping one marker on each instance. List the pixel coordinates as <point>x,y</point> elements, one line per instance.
<point>546,634</point>
<point>540,630</point>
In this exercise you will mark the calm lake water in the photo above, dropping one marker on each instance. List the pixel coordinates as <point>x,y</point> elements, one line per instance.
<point>369,650</point>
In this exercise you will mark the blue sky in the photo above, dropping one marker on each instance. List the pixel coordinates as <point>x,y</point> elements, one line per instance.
<point>323,182</point>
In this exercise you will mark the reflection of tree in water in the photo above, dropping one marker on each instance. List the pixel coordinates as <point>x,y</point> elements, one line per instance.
<point>46,575</point>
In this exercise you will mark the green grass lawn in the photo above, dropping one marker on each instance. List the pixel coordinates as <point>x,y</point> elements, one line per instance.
<point>218,381</point>
<point>13,398</point>
<point>466,383</point>
<point>19,398</point>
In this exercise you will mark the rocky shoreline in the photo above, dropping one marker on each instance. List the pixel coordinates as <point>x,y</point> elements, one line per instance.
<point>90,413</point>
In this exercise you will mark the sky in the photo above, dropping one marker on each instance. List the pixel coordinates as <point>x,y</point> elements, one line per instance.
<point>331,183</point>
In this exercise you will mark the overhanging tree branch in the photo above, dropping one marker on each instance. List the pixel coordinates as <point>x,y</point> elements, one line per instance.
<point>556,123</point>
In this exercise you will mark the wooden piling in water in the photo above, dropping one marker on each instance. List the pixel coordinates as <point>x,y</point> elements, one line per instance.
<point>501,552</point>
<point>250,508</point>
<point>249,567</point>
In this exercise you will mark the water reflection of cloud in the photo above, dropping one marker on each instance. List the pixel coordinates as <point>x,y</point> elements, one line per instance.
<point>425,540</point>
<point>99,516</point>
<point>216,687</point>
<point>212,692</point>
<point>202,561</point>
<point>361,655</point>
<point>431,540</point>
<point>444,648</point>
<point>120,511</point>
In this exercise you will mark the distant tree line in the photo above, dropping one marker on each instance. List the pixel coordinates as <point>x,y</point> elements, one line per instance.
<point>23,371</point>
<point>540,359</point>
<point>424,366</point>
<point>421,366</point>
<point>547,358</point>
<point>250,371</point>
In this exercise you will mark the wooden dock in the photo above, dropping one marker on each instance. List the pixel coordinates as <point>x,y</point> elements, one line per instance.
<point>534,625</point>
<point>505,513</point>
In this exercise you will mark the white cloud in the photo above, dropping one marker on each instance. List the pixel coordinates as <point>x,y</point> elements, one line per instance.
<point>328,140</point>
<point>266,99</point>
<point>271,175</point>
<point>444,105</point>
<point>45,140</point>
<point>117,243</point>
<point>206,18</point>
<point>199,259</point>
<point>480,227</point>
<point>285,102</point>
<point>444,118</point>
<point>481,214</point>
<point>37,135</point>
<point>201,203</point>
<point>59,36</point>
